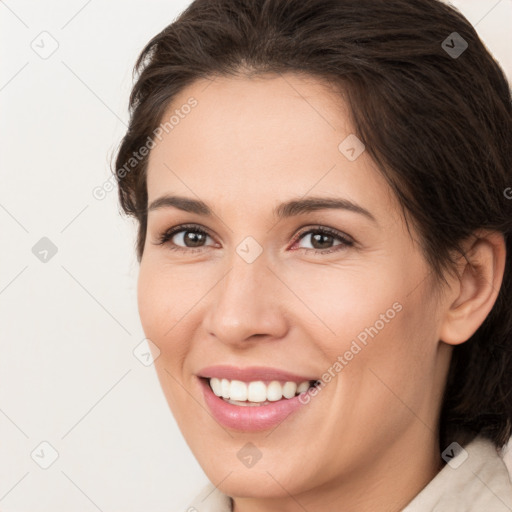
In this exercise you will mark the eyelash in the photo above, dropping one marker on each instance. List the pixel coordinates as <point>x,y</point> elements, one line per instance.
<point>346,242</point>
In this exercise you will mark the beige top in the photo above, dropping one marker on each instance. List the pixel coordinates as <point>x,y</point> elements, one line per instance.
<point>481,483</point>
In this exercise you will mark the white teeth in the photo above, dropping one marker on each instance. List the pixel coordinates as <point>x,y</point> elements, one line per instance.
<point>303,386</point>
<point>289,389</point>
<point>274,391</point>
<point>238,390</point>
<point>224,386</point>
<point>216,386</point>
<point>256,391</point>
<point>246,404</point>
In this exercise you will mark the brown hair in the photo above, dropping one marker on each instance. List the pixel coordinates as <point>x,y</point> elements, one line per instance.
<point>437,124</point>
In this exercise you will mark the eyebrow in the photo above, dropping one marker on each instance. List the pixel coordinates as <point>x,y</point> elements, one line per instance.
<point>283,210</point>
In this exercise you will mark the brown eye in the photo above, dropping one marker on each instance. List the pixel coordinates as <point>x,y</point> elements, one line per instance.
<point>184,237</point>
<point>324,239</point>
<point>191,238</point>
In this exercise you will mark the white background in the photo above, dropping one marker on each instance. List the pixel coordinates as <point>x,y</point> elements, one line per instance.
<point>68,327</point>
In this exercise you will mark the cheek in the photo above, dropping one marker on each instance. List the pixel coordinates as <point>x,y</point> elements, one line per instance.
<point>396,367</point>
<point>382,325</point>
<point>159,294</point>
<point>159,298</point>
<point>346,302</point>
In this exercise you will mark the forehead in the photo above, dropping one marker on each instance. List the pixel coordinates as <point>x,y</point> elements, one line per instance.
<point>261,139</point>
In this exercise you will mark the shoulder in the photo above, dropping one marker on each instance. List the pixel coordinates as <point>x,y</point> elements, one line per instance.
<point>475,478</point>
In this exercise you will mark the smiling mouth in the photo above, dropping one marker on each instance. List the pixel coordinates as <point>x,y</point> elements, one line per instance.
<point>259,392</point>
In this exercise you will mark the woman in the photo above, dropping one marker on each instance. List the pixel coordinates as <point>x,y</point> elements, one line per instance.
<point>325,252</point>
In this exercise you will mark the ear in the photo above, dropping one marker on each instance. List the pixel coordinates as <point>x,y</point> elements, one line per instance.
<point>475,289</point>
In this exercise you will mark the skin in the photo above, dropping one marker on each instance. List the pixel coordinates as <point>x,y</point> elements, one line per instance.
<point>369,438</point>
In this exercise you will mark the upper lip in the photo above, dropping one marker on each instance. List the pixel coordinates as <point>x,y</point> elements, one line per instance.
<point>252,373</point>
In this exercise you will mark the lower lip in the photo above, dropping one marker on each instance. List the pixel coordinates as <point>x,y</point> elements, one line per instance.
<point>248,418</point>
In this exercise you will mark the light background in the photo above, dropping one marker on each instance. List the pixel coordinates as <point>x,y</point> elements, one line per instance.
<point>69,326</point>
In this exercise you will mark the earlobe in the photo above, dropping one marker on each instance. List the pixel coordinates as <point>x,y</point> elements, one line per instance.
<point>476,286</point>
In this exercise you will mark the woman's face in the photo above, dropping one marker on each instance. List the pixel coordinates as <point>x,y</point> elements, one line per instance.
<point>261,287</point>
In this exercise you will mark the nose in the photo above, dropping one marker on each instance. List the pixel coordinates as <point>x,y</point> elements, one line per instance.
<point>247,304</point>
